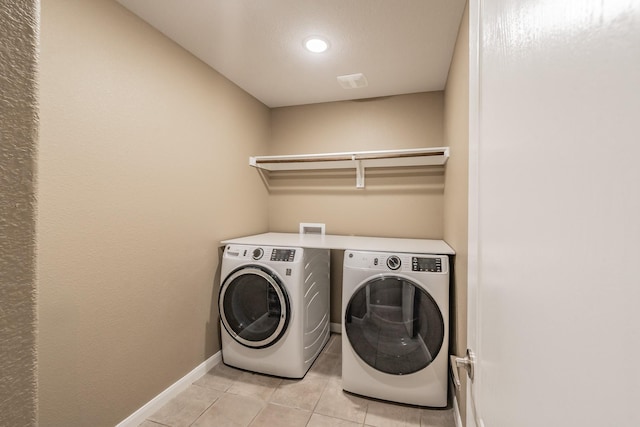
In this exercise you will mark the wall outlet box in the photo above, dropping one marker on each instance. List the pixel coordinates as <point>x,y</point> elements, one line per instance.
<point>311,228</point>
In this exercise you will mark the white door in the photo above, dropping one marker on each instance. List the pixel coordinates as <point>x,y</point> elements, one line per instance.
<point>473,414</point>
<point>555,212</point>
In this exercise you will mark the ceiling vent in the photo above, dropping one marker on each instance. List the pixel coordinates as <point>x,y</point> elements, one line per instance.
<point>353,81</point>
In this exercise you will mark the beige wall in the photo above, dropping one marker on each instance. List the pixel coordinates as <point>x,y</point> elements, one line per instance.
<point>396,202</point>
<point>404,202</point>
<point>142,171</point>
<point>18,151</point>
<point>456,114</point>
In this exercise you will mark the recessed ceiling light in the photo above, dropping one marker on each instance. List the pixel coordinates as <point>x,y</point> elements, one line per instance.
<point>316,44</point>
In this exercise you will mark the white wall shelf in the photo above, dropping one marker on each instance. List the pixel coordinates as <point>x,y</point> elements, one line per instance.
<point>358,160</point>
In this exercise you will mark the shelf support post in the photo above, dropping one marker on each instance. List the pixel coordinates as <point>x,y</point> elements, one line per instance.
<point>359,174</point>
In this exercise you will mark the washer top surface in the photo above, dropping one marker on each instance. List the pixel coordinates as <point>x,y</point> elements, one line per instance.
<point>330,241</point>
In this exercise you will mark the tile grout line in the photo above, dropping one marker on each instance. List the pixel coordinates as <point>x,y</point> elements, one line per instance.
<point>313,411</point>
<point>339,337</point>
<point>207,408</point>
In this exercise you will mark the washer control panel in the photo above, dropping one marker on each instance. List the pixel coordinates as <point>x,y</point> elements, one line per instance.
<point>263,253</point>
<point>286,255</point>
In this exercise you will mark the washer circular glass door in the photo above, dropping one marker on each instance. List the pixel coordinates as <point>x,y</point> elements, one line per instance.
<point>394,325</point>
<point>254,306</point>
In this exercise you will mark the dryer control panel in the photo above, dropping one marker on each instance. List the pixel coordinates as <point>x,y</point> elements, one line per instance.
<point>397,262</point>
<point>426,264</point>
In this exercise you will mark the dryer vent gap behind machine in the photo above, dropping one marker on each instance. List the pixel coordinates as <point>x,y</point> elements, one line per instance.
<point>274,308</point>
<point>395,330</point>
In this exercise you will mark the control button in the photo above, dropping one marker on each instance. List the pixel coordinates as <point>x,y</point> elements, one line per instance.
<point>257,253</point>
<point>393,262</point>
<point>375,261</point>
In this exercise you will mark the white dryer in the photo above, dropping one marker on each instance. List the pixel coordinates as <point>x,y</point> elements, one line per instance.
<point>274,308</point>
<point>395,330</point>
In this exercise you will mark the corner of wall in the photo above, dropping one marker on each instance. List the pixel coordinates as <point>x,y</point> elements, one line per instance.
<point>18,140</point>
<point>456,128</point>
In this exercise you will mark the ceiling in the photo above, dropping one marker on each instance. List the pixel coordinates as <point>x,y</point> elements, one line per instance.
<point>401,46</point>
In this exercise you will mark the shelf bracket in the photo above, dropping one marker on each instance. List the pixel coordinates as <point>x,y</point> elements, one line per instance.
<point>359,174</point>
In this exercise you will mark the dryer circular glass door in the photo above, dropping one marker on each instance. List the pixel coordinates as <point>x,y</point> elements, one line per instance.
<point>254,306</point>
<point>394,325</point>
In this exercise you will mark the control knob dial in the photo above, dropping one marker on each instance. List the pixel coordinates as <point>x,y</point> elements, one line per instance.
<point>257,253</point>
<point>393,262</point>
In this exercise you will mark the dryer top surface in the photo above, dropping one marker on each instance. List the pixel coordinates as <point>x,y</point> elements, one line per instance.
<point>361,243</point>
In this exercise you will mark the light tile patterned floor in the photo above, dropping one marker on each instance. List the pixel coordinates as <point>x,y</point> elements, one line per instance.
<point>228,397</point>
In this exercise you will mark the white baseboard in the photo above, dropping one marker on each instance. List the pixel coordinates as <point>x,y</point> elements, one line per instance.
<point>336,328</point>
<point>172,391</point>
<point>456,412</point>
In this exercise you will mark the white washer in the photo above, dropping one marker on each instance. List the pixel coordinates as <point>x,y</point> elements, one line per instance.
<point>274,308</point>
<point>395,326</point>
